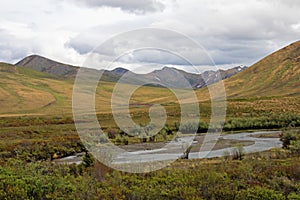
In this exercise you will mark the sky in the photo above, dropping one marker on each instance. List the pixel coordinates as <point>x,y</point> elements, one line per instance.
<point>231,32</point>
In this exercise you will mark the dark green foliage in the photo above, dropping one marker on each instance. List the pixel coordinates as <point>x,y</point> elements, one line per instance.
<point>87,160</point>
<point>32,121</point>
<point>143,135</point>
<point>258,193</point>
<point>291,141</point>
<point>287,137</point>
<point>250,179</point>
<point>189,179</point>
<point>189,127</point>
<point>125,140</point>
<point>264,122</point>
<point>38,138</point>
<point>26,170</point>
<point>42,180</point>
<point>203,127</point>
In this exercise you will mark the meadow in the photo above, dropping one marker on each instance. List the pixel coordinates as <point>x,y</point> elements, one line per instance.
<point>268,175</point>
<point>37,127</point>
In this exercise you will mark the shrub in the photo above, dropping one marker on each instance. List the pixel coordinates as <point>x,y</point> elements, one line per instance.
<point>287,137</point>
<point>111,133</point>
<point>258,193</point>
<point>238,153</point>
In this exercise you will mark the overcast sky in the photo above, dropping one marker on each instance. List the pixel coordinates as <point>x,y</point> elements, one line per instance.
<point>233,32</point>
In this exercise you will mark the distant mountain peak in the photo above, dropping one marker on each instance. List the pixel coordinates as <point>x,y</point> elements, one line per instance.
<point>167,76</point>
<point>120,70</point>
<point>42,64</point>
<point>166,68</point>
<point>29,58</point>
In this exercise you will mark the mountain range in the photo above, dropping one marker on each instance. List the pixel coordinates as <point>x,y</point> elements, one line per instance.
<point>169,77</point>
<point>37,85</point>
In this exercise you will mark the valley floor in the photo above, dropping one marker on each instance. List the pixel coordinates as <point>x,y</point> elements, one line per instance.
<point>29,144</point>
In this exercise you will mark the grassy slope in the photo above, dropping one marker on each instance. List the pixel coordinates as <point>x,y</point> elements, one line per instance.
<point>271,84</point>
<point>25,91</point>
<point>276,75</point>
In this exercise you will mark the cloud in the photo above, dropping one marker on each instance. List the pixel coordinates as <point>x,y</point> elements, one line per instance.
<point>146,46</point>
<point>12,48</point>
<point>233,32</point>
<point>135,6</point>
<point>237,31</point>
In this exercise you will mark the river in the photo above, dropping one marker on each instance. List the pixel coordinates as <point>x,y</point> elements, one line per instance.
<point>260,144</point>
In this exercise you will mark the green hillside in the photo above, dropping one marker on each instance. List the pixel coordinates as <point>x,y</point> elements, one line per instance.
<point>273,83</point>
<point>276,75</point>
<point>25,91</point>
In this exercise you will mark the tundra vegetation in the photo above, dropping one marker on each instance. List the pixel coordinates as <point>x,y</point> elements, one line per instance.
<point>36,128</point>
<point>30,144</point>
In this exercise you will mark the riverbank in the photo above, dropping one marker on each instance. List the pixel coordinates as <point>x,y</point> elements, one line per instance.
<point>225,144</point>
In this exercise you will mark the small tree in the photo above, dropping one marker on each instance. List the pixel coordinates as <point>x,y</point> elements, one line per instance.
<point>164,134</point>
<point>186,152</point>
<point>295,147</point>
<point>226,155</point>
<point>118,140</point>
<point>87,160</point>
<point>143,136</point>
<point>111,133</point>
<point>125,140</point>
<point>286,139</point>
<point>238,153</point>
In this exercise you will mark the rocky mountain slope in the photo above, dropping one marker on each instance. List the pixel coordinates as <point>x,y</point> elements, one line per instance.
<point>43,64</point>
<point>169,77</point>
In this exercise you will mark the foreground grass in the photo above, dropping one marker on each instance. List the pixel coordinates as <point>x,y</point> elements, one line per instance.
<point>43,138</point>
<point>28,144</point>
<point>256,177</point>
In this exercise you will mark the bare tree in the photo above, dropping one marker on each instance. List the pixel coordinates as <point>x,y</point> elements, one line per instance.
<point>186,153</point>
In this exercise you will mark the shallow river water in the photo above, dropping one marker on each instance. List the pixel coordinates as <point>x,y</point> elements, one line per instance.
<point>260,144</point>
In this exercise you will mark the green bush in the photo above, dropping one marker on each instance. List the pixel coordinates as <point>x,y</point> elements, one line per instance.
<point>291,141</point>
<point>259,193</point>
<point>270,121</point>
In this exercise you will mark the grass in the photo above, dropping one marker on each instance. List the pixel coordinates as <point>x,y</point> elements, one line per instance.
<point>275,75</point>
<point>30,92</point>
<point>271,85</point>
<point>36,123</point>
<point>268,88</point>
